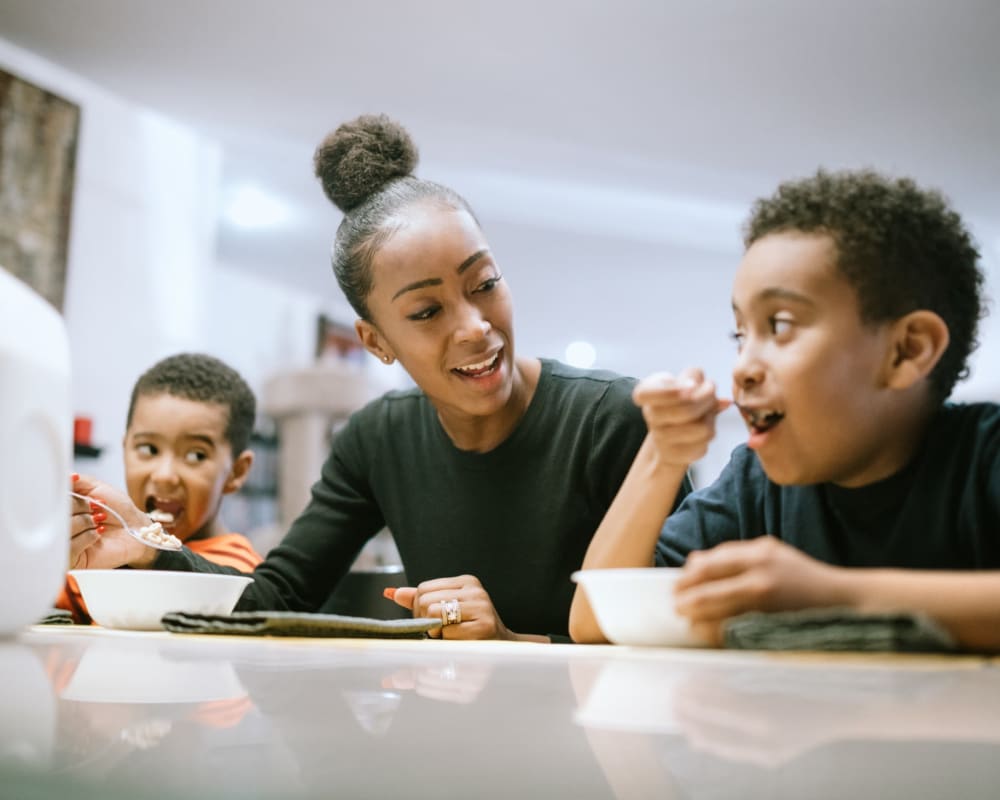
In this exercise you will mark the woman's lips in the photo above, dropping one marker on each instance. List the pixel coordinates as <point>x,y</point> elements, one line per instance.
<point>480,369</point>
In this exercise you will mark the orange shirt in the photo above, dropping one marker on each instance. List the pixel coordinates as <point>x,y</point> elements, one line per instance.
<point>227,549</point>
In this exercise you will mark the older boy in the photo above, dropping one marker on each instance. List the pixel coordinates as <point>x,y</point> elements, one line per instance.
<point>187,431</point>
<point>856,308</point>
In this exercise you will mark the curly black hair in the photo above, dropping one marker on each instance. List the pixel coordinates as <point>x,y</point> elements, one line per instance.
<point>366,169</point>
<point>901,247</point>
<point>204,379</point>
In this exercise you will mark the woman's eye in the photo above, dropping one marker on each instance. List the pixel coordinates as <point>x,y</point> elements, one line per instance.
<point>427,313</point>
<point>737,336</point>
<point>145,450</point>
<point>488,285</point>
<point>195,456</point>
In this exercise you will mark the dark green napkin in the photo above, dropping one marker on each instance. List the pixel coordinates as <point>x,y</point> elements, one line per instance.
<point>837,629</point>
<point>56,616</point>
<point>290,623</point>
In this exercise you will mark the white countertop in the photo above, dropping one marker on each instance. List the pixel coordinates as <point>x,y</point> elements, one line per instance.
<point>104,714</point>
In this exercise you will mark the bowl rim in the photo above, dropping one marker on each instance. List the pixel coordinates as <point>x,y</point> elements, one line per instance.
<point>171,572</point>
<point>641,573</point>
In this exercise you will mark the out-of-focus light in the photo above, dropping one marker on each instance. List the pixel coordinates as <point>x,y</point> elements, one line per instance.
<point>581,354</point>
<point>251,207</point>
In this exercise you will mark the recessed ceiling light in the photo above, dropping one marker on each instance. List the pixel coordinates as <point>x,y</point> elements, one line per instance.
<point>581,354</point>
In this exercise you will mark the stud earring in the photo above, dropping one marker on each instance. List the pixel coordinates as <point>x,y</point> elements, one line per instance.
<point>386,359</point>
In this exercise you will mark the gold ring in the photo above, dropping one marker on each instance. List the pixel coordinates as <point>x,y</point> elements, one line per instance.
<point>451,612</point>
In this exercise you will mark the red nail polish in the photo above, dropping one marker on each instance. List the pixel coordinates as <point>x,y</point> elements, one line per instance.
<point>74,477</point>
<point>389,593</point>
<point>99,516</point>
<point>100,529</point>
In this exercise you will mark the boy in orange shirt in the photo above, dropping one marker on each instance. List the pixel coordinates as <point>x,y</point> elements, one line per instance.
<point>856,307</point>
<point>188,427</point>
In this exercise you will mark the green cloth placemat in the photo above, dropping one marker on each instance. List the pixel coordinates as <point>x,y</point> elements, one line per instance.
<point>837,629</point>
<point>290,623</point>
<point>56,616</point>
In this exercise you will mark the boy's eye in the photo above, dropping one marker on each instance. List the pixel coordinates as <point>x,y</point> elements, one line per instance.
<point>780,326</point>
<point>425,314</point>
<point>737,336</point>
<point>146,449</point>
<point>195,456</point>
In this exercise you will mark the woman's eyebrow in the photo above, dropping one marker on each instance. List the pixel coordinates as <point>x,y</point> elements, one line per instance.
<point>418,285</point>
<point>437,281</point>
<point>472,260</point>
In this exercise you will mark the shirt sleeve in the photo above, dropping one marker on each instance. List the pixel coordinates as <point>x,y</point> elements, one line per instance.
<point>712,515</point>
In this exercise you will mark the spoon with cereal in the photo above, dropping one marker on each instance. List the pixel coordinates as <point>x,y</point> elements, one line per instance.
<point>151,535</point>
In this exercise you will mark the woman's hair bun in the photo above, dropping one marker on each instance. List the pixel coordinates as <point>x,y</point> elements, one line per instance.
<point>360,157</point>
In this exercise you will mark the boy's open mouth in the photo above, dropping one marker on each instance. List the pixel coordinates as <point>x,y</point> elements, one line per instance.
<point>761,419</point>
<point>163,511</point>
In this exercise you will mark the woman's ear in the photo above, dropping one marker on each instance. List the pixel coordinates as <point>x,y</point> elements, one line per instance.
<point>918,341</point>
<point>239,473</point>
<point>373,341</point>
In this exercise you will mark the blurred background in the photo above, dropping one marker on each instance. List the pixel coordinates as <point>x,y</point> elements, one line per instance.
<point>610,149</point>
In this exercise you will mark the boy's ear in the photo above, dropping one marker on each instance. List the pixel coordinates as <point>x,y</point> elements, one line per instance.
<point>918,341</point>
<point>239,473</point>
<point>373,340</point>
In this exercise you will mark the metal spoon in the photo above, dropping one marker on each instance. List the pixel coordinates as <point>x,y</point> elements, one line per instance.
<point>154,536</point>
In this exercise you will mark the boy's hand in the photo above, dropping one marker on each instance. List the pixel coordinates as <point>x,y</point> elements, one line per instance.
<point>101,543</point>
<point>763,574</point>
<point>680,414</point>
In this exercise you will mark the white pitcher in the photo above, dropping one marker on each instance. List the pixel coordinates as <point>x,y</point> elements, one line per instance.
<point>36,441</point>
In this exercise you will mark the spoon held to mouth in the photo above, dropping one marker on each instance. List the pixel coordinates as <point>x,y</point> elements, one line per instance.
<point>151,535</point>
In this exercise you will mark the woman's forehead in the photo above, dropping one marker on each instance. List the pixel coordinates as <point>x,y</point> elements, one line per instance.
<point>426,243</point>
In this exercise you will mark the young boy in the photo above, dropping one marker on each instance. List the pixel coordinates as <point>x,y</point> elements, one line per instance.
<point>856,307</point>
<point>188,427</point>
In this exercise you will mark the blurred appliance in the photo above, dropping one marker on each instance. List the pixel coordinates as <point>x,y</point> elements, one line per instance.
<point>36,429</point>
<point>308,405</point>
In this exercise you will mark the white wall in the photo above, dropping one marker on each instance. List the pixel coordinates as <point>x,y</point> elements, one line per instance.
<point>142,281</point>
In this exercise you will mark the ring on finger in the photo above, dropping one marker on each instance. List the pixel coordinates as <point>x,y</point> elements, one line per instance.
<point>451,612</point>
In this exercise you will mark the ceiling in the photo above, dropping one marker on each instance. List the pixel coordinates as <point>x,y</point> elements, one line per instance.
<point>598,139</point>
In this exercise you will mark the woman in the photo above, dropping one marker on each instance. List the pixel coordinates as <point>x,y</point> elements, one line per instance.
<point>492,474</point>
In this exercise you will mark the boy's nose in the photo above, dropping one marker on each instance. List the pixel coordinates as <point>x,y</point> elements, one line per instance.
<point>748,370</point>
<point>164,471</point>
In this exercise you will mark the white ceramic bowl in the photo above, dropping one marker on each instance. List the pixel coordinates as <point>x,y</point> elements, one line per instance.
<point>138,598</point>
<point>636,606</point>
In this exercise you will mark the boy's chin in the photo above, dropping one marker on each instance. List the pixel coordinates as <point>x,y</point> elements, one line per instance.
<point>785,474</point>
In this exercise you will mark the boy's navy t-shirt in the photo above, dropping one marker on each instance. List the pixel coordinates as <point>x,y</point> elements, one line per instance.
<point>942,511</point>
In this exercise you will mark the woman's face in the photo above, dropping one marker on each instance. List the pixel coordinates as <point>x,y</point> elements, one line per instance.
<point>439,305</point>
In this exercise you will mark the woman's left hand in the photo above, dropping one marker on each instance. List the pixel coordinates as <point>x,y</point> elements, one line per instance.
<point>479,619</point>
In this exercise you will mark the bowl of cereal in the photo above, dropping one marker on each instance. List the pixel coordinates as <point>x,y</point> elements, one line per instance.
<point>635,606</point>
<point>137,599</point>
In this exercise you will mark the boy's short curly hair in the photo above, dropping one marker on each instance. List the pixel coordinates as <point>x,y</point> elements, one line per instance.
<point>901,247</point>
<point>204,379</point>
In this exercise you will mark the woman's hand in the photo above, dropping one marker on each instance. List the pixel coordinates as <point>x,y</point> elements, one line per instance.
<point>680,414</point>
<point>763,574</point>
<point>479,619</point>
<point>97,540</point>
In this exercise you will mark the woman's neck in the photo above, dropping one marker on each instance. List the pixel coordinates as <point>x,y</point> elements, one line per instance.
<point>482,434</point>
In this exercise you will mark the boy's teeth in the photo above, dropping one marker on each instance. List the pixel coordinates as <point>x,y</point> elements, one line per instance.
<point>163,517</point>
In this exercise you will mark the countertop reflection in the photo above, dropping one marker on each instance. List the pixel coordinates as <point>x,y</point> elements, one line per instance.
<point>116,714</point>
